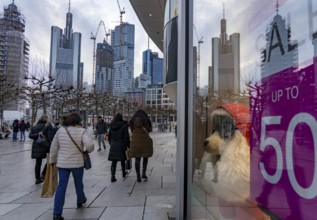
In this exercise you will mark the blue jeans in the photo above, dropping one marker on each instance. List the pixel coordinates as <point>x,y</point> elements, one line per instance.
<point>15,135</point>
<point>22,133</point>
<point>101,138</point>
<point>63,174</point>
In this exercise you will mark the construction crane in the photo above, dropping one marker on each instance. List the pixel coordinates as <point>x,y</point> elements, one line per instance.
<point>93,37</point>
<point>200,41</point>
<point>107,35</point>
<point>122,11</point>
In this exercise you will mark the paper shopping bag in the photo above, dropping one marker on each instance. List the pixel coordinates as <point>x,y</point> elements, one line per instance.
<point>50,181</point>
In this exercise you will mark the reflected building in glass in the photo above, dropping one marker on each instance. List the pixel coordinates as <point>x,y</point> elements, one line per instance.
<point>280,51</point>
<point>224,75</point>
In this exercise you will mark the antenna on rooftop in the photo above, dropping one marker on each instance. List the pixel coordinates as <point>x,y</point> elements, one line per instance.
<point>277,6</point>
<point>223,10</point>
<point>69,6</point>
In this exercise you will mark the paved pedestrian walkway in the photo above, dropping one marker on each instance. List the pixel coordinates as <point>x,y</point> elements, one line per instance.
<point>154,199</point>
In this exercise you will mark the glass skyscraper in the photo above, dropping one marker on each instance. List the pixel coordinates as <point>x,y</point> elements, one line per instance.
<point>122,42</point>
<point>152,66</point>
<point>65,65</point>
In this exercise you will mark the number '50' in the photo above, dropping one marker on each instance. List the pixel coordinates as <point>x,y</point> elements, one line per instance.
<point>309,192</point>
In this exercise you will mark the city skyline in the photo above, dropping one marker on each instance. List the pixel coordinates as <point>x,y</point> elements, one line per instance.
<point>86,22</point>
<point>42,15</point>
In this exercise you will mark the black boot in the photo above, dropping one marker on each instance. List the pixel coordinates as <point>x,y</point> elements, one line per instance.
<point>138,177</point>
<point>145,161</point>
<point>144,175</point>
<point>57,217</point>
<point>137,169</point>
<point>124,173</point>
<point>113,173</point>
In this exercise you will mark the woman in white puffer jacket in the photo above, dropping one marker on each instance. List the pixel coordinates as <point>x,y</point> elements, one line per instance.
<point>69,159</point>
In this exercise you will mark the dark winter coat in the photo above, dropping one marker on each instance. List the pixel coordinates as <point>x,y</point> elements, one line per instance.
<point>141,144</point>
<point>101,127</point>
<point>49,132</point>
<point>22,126</point>
<point>118,140</point>
<point>37,151</point>
<point>15,126</point>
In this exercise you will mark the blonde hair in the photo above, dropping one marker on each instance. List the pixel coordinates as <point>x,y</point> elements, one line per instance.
<point>43,119</point>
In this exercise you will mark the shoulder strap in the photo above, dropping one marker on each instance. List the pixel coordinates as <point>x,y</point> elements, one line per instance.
<point>81,151</point>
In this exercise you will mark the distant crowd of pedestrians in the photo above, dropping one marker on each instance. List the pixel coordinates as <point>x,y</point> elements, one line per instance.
<point>17,127</point>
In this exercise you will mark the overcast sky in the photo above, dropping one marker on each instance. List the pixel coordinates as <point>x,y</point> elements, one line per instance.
<point>40,15</point>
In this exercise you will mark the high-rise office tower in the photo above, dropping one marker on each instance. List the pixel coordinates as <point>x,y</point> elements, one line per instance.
<point>14,47</point>
<point>104,68</point>
<point>65,65</point>
<point>224,75</point>
<point>153,66</point>
<point>122,42</point>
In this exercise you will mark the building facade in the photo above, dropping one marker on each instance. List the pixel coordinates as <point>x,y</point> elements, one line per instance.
<point>14,55</point>
<point>157,99</point>
<point>143,81</point>
<point>65,52</point>
<point>122,42</point>
<point>104,68</point>
<point>14,46</point>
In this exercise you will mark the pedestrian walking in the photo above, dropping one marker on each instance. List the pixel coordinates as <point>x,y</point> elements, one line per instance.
<point>49,133</point>
<point>22,128</point>
<point>39,152</point>
<point>27,126</point>
<point>141,144</point>
<point>15,129</point>
<point>119,141</point>
<point>68,160</point>
<point>101,129</point>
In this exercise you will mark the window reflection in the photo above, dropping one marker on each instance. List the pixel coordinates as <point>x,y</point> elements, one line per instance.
<point>254,134</point>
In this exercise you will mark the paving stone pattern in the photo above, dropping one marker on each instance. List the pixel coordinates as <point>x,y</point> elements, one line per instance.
<point>154,199</point>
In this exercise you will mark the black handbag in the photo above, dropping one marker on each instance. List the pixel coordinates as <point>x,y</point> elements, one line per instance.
<point>87,161</point>
<point>42,142</point>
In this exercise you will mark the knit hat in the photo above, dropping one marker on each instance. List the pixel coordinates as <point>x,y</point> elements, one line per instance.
<point>241,115</point>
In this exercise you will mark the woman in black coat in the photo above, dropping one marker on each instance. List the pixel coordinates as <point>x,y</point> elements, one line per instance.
<point>118,140</point>
<point>39,152</point>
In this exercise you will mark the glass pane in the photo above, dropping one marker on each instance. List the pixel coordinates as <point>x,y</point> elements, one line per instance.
<point>255,130</point>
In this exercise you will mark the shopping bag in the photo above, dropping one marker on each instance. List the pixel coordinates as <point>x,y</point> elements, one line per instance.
<point>50,181</point>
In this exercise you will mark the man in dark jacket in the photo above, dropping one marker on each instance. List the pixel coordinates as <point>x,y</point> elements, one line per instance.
<point>101,129</point>
<point>15,129</point>
<point>22,128</point>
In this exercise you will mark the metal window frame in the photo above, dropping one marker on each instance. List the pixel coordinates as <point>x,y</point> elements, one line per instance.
<point>185,93</point>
